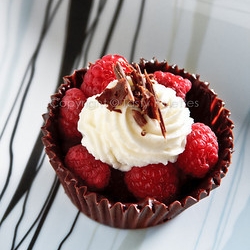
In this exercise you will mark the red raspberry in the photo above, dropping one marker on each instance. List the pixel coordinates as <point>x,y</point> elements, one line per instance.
<point>201,151</point>
<point>95,173</point>
<point>154,180</point>
<point>101,73</point>
<point>179,84</point>
<point>70,107</point>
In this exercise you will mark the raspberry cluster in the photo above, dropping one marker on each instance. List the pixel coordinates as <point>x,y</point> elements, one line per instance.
<point>160,181</point>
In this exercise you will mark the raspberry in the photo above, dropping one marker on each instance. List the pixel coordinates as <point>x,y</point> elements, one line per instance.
<point>201,151</point>
<point>95,173</point>
<point>154,180</point>
<point>176,82</point>
<point>70,107</point>
<point>101,73</point>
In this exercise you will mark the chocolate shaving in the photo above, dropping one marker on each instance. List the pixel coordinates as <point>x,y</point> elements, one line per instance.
<point>154,107</point>
<point>115,96</point>
<point>146,97</point>
<point>119,72</point>
<point>139,118</point>
<point>141,96</point>
<point>140,76</point>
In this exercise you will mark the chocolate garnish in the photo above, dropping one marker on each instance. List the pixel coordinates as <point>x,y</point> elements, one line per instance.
<point>146,98</point>
<point>115,96</point>
<point>139,118</point>
<point>120,74</point>
<point>156,110</point>
<point>141,96</point>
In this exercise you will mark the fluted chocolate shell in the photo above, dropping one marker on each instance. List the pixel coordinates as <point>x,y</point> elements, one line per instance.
<point>105,208</point>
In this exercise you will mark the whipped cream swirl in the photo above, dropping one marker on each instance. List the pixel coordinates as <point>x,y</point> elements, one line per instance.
<point>116,138</point>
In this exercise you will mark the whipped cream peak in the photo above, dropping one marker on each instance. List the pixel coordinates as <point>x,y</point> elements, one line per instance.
<point>135,121</point>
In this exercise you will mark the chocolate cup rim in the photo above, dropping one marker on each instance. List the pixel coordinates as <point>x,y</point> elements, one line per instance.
<point>148,212</point>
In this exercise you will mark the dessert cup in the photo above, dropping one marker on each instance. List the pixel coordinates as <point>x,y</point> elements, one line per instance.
<point>115,206</point>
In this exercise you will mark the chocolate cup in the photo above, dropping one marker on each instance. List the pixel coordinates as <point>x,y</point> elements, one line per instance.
<point>204,107</point>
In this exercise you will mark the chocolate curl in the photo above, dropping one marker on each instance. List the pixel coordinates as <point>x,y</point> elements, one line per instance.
<point>139,118</point>
<point>115,96</point>
<point>120,74</point>
<point>154,107</point>
<point>142,96</point>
